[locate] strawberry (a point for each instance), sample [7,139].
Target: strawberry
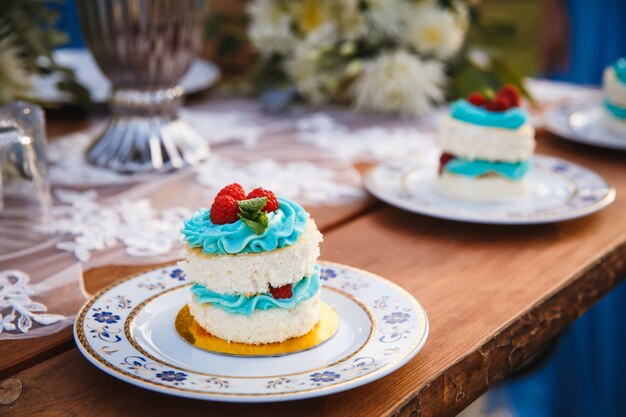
[477,99]
[444,159]
[282,292]
[272,201]
[234,190]
[224,210]
[512,93]
[498,104]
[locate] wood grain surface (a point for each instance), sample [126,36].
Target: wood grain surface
[494,296]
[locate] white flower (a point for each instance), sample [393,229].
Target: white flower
[349,19]
[400,82]
[387,16]
[270,27]
[303,67]
[433,30]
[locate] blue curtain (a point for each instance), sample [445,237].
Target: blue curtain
[582,376]
[68,22]
[598,38]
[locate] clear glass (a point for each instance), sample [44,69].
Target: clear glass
[24,187]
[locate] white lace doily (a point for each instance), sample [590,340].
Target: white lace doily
[93,226]
[304,181]
[366,144]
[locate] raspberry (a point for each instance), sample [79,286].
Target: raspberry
[444,159]
[498,104]
[477,99]
[234,190]
[512,93]
[272,202]
[224,210]
[282,292]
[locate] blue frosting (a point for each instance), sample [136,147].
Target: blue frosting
[240,304]
[512,171]
[620,69]
[617,111]
[466,112]
[285,227]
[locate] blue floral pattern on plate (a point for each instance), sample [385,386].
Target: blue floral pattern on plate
[105,317]
[399,330]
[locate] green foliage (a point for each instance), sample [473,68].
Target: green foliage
[250,212]
[27,39]
[503,32]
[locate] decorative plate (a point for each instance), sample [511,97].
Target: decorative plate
[558,190]
[201,75]
[581,123]
[127,330]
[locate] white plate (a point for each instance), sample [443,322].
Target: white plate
[201,75]
[581,123]
[127,330]
[558,190]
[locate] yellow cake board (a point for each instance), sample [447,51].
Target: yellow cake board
[192,333]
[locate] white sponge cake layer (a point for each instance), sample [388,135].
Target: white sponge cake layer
[613,123]
[249,273]
[614,89]
[473,142]
[269,326]
[482,189]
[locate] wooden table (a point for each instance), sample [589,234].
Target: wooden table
[494,295]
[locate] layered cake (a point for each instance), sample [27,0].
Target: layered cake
[252,258]
[614,86]
[487,145]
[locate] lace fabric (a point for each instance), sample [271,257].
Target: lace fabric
[29,310]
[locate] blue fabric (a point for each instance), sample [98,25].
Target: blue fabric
[598,39]
[68,22]
[582,377]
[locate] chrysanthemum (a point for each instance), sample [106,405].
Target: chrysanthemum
[435,31]
[387,16]
[348,18]
[270,27]
[400,82]
[304,64]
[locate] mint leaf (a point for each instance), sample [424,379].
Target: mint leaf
[258,225]
[252,216]
[253,205]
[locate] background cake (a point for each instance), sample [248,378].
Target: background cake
[614,86]
[253,260]
[487,145]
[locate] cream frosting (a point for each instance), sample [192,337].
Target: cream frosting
[285,226]
[614,89]
[303,290]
